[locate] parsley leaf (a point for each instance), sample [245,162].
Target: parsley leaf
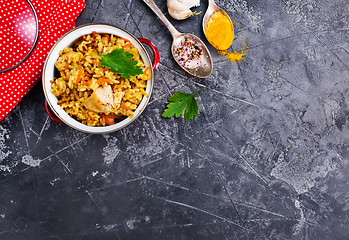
[119,61]
[182,103]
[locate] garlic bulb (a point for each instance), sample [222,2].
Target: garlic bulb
[180,9]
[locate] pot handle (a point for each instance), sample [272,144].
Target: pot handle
[51,113]
[155,52]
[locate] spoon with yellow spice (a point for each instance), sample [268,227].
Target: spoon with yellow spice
[219,30]
[218,27]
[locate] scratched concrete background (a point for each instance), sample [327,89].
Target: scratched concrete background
[267,157]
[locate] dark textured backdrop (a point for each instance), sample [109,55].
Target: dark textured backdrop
[267,157]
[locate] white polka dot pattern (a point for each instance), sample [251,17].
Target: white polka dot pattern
[56,17]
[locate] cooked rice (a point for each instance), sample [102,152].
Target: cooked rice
[82,75]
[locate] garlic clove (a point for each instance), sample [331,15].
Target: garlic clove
[180,9]
[181,14]
[178,5]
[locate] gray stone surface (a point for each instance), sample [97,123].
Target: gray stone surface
[266,158]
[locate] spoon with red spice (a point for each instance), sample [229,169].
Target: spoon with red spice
[187,49]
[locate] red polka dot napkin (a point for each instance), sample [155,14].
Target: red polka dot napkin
[56,17]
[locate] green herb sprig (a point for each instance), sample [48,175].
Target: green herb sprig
[182,103]
[119,61]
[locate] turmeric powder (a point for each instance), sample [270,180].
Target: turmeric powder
[234,56]
[219,30]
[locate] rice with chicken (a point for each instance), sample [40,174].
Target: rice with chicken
[91,93]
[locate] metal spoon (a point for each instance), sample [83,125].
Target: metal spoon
[203,68]
[212,8]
